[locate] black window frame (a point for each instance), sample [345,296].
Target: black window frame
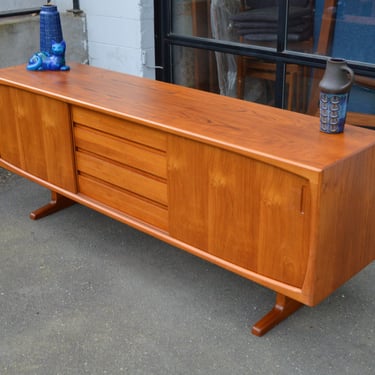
[165,40]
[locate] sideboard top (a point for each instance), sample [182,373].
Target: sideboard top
[263,132]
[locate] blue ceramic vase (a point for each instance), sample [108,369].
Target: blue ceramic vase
[334,95]
[50,27]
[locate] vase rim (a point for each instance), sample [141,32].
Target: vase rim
[49,5]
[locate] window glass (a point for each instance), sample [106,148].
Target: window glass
[345,29]
[332,28]
[300,26]
[361,105]
[229,20]
[240,77]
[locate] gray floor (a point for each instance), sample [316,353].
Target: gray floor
[83,294]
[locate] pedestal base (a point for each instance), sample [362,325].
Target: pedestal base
[284,307]
[57,203]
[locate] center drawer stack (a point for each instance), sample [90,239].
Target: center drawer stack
[122,164]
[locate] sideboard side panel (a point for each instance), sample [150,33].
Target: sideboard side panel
[347,219]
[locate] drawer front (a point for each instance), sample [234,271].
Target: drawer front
[122,177]
[121,128]
[120,150]
[133,205]
[122,164]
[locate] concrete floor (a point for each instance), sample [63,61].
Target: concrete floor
[83,294]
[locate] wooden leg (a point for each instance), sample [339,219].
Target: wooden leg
[284,307]
[57,203]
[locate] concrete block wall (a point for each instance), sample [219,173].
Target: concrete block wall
[121,35]
[11,5]
[20,38]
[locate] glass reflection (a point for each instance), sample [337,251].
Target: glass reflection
[219,73]
[336,28]
[229,20]
[326,27]
[345,29]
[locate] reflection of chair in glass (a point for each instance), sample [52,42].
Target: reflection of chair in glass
[257,30]
[251,67]
[324,46]
[363,119]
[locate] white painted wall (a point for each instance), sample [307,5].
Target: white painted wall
[6,5]
[118,32]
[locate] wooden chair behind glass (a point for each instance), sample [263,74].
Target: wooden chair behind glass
[261,69]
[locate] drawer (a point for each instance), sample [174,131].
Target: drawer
[120,150]
[123,177]
[121,200]
[122,164]
[121,128]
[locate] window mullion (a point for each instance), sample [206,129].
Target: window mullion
[282,35]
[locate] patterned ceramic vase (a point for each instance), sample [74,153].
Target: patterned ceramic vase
[334,94]
[50,27]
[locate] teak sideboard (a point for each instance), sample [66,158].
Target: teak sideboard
[254,189]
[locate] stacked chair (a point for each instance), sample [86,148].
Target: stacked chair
[257,23]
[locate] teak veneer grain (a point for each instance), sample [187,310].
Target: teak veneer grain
[254,189]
